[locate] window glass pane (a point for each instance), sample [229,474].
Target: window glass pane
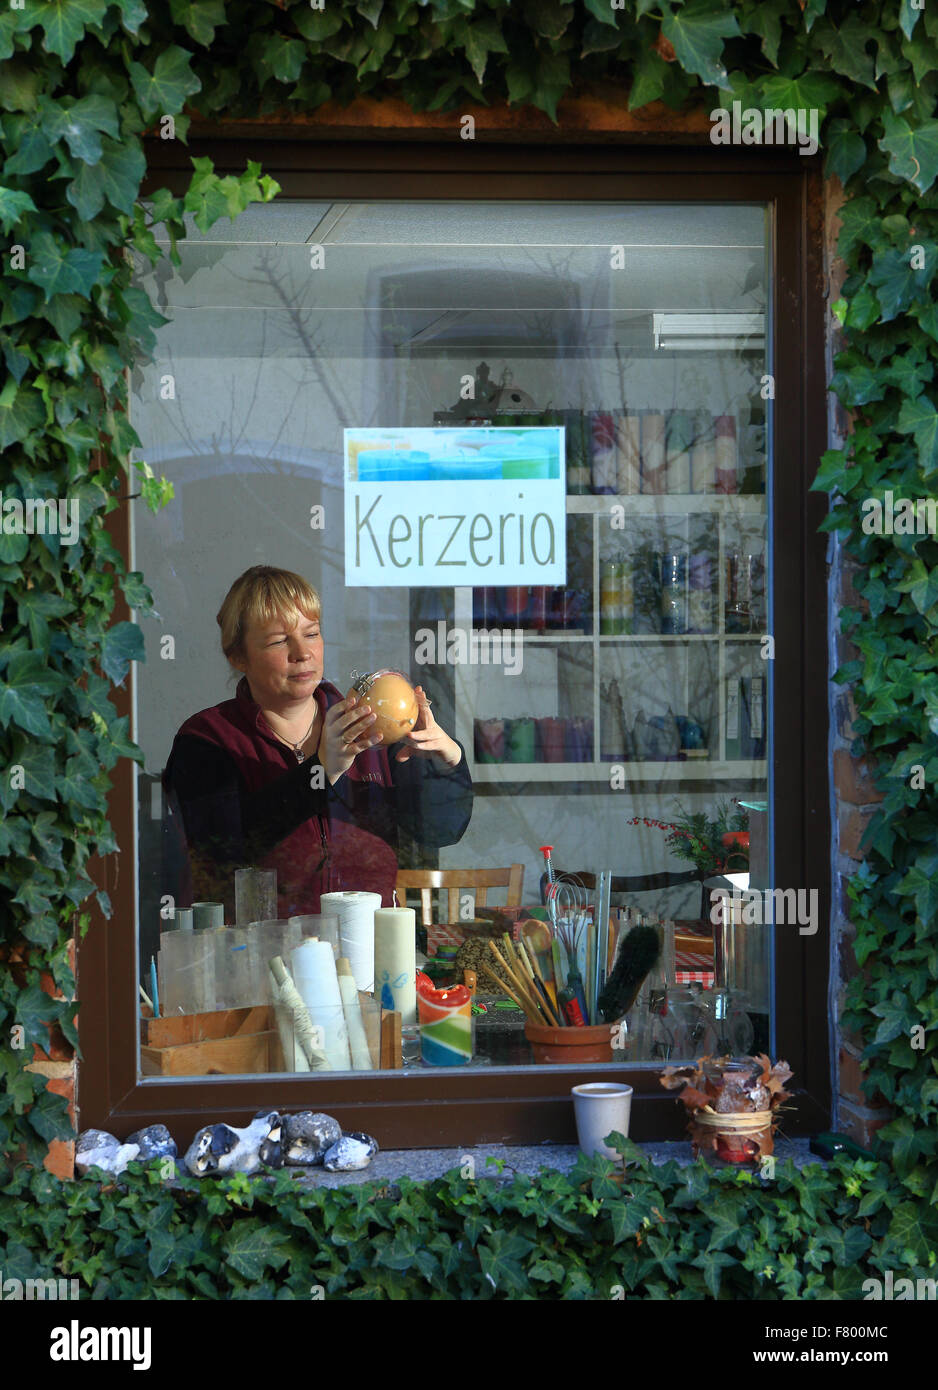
[521,451]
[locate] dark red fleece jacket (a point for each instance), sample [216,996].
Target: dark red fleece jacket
[243,799]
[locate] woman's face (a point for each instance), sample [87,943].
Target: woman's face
[282,659]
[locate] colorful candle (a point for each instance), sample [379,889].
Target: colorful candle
[445,1023]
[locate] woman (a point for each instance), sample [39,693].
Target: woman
[290,776]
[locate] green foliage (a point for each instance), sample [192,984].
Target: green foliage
[80,83]
[600,1232]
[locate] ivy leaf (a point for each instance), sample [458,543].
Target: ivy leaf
[896,283]
[861,221]
[34,1008]
[649,73]
[317,25]
[845,47]
[846,150]
[250,1247]
[64,22]
[13,204]
[133,14]
[28,680]
[926,315]
[38,765]
[200,18]
[921,882]
[280,58]
[120,645]
[603,11]
[907,374]
[81,124]
[34,607]
[811,89]
[371,9]
[33,146]
[164,91]
[908,17]
[57,272]
[115,179]
[766,23]
[920,419]
[697,31]
[479,39]
[162,1248]
[21,412]
[19,86]
[913,152]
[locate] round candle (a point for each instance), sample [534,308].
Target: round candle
[396,961]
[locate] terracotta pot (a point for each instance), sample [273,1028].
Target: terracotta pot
[571,1045]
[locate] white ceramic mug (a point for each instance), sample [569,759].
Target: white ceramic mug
[601,1107]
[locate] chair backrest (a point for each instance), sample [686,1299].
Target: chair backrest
[456,882]
[628,883]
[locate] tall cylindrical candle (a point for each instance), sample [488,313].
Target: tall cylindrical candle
[396,961]
[314,974]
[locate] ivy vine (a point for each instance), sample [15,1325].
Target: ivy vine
[83,81]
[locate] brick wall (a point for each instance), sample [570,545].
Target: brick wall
[57,1063]
[853,796]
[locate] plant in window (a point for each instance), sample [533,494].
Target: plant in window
[717,846]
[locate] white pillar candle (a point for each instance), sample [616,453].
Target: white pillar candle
[396,961]
[315,977]
[356,913]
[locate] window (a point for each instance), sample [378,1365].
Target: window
[613,363]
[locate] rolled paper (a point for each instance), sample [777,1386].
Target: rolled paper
[294,1055]
[725,453]
[357,1038]
[356,913]
[396,961]
[653,452]
[287,996]
[445,1024]
[314,975]
[628,453]
[603,452]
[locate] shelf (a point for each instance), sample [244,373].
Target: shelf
[695,770]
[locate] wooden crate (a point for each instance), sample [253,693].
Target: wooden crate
[223,1043]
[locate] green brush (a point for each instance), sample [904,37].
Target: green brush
[638,954]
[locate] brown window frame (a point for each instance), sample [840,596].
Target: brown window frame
[531,1105]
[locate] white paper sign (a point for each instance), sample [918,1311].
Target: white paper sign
[448,507]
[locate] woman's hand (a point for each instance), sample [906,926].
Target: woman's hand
[346,732]
[428,739]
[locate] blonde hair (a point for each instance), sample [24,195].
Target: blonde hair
[258,595]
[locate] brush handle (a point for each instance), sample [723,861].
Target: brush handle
[518,984]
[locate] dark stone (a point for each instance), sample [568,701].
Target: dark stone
[153,1141]
[307,1137]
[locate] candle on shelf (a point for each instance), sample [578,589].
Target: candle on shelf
[396,961]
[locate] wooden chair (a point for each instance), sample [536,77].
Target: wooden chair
[456,882]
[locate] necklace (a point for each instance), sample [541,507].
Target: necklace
[297,748]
